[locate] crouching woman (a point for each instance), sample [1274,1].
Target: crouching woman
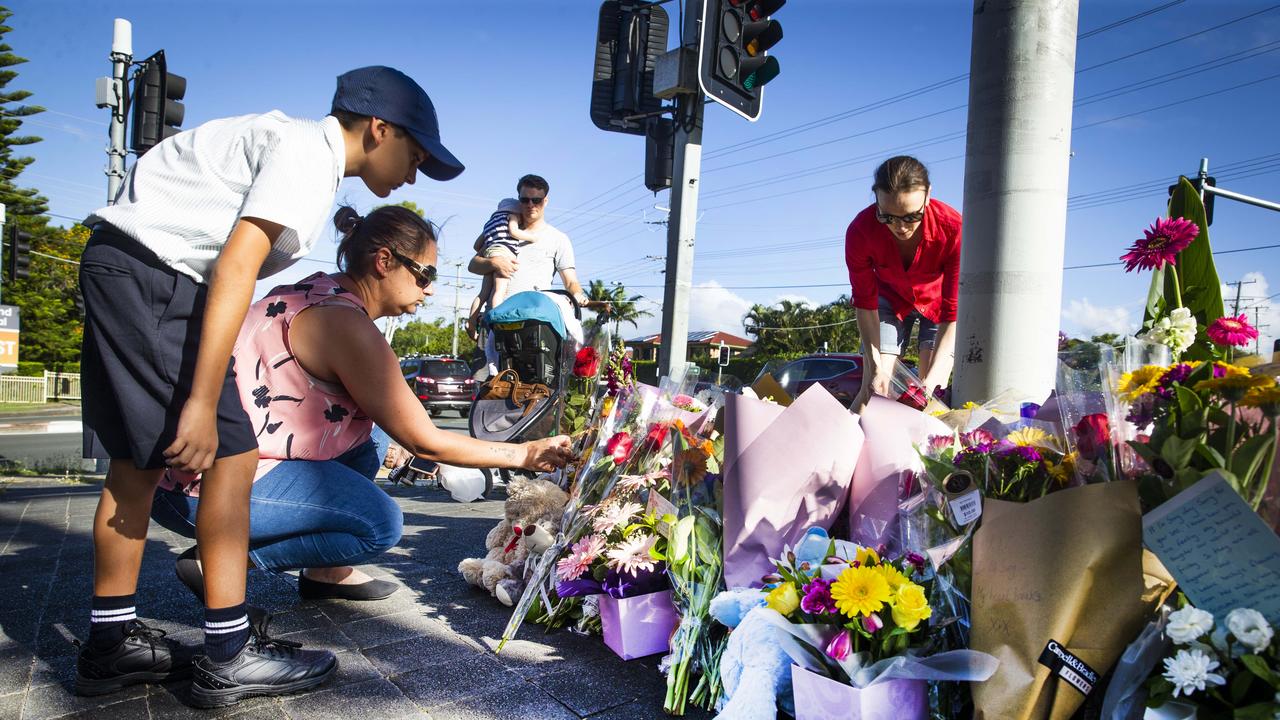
[316,375]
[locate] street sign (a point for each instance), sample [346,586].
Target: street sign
[9,315]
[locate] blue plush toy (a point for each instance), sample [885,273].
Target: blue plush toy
[754,672]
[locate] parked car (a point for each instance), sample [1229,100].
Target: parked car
[440,383]
[840,374]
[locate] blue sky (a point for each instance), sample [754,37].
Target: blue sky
[511,82]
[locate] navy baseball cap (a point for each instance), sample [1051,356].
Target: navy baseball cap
[387,93]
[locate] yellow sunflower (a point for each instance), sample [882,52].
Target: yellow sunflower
[1063,471]
[1230,370]
[1031,437]
[1266,398]
[1234,387]
[1135,384]
[860,591]
[893,576]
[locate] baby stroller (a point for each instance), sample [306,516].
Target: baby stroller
[530,337]
[534,346]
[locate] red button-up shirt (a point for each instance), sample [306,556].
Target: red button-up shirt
[931,284]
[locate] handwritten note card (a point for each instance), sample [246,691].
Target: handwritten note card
[1220,552]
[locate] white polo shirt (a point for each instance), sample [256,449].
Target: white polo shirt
[184,196]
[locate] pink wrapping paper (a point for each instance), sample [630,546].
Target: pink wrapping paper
[892,431]
[786,469]
[638,626]
[821,698]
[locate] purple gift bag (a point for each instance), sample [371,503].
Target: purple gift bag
[637,626]
[821,698]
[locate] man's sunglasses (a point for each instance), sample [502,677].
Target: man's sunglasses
[424,275]
[537,200]
[908,219]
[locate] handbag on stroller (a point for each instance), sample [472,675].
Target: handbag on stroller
[522,401]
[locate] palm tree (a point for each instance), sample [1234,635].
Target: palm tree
[626,309]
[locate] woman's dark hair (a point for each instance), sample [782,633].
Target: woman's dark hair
[533,181]
[347,119]
[390,226]
[902,173]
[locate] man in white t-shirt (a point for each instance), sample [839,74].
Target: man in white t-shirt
[540,261]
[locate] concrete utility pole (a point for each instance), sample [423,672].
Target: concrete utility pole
[457,290]
[1022,75]
[111,94]
[686,177]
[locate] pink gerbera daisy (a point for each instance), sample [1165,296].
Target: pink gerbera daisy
[1163,241]
[1232,331]
[632,555]
[581,555]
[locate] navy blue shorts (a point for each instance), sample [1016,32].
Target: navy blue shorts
[141,333]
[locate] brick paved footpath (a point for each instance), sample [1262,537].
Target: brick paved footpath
[425,652]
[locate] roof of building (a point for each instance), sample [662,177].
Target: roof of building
[699,337]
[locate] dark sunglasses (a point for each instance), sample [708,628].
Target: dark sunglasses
[424,275]
[908,219]
[533,200]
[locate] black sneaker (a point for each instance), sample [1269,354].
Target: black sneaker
[144,655]
[264,666]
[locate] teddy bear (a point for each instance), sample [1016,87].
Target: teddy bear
[529,526]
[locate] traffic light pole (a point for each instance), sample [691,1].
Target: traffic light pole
[686,175]
[1022,76]
[121,58]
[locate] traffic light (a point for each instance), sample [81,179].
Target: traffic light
[659,153]
[157,114]
[733,60]
[629,38]
[18,261]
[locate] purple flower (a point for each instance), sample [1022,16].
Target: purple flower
[817,597]
[1142,411]
[1176,374]
[872,623]
[1025,453]
[840,646]
[917,560]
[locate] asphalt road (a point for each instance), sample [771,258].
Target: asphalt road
[53,443]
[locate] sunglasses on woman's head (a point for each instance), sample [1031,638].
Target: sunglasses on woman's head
[424,275]
[535,200]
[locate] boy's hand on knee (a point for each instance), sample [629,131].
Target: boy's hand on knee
[196,444]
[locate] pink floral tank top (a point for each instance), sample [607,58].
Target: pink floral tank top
[295,415]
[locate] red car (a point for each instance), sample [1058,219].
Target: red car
[840,374]
[440,383]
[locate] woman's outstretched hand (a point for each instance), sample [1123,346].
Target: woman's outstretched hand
[547,454]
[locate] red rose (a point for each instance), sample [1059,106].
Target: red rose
[914,397]
[1093,436]
[587,363]
[657,434]
[619,447]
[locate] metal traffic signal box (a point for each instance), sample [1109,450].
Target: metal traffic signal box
[733,60]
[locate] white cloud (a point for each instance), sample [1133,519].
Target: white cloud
[712,307]
[1082,318]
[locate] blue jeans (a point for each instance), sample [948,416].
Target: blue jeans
[308,513]
[895,333]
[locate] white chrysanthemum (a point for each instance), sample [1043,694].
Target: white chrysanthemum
[1188,624]
[1177,330]
[614,514]
[1190,671]
[1250,628]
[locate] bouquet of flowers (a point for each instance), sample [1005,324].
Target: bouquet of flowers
[1200,418]
[1221,672]
[866,622]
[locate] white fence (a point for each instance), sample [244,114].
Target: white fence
[53,386]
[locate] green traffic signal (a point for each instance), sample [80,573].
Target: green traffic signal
[766,72]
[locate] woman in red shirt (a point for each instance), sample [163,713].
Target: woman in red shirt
[903,254]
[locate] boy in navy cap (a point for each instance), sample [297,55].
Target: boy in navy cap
[167,277]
